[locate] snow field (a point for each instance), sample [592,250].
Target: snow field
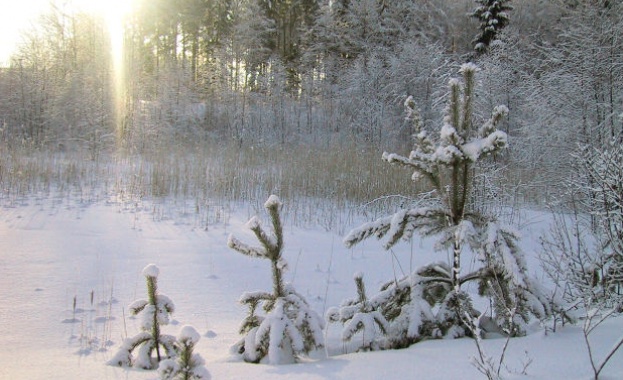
[51,253]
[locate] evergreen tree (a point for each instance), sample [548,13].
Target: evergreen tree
[447,163]
[155,311]
[253,32]
[290,327]
[188,366]
[360,315]
[493,17]
[291,19]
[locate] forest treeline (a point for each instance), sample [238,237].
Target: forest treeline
[317,74]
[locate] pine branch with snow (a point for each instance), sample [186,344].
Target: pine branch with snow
[400,226]
[290,327]
[507,282]
[155,311]
[454,306]
[493,17]
[403,304]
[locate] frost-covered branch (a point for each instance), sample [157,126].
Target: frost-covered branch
[401,225]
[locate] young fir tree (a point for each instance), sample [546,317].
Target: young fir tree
[360,315]
[188,366]
[155,311]
[493,17]
[447,162]
[290,327]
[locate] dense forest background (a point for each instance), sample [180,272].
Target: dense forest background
[302,96]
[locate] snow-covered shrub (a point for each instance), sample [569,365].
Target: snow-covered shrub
[360,315]
[290,327]
[583,252]
[188,366]
[155,312]
[430,302]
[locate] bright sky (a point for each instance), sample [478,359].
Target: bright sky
[18,15]
[15,15]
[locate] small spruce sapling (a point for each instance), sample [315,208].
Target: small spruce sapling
[155,311]
[290,327]
[188,366]
[360,315]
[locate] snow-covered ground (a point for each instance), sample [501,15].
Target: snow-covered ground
[52,252]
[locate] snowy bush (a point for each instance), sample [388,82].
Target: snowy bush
[155,312]
[360,316]
[289,327]
[583,252]
[430,302]
[188,366]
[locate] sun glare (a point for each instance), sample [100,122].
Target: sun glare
[113,13]
[18,16]
[114,17]
[15,18]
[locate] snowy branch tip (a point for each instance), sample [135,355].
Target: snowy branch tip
[468,68]
[189,335]
[273,201]
[151,270]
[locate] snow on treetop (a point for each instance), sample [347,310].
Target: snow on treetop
[189,334]
[409,102]
[273,200]
[358,275]
[501,109]
[151,270]
[467,67]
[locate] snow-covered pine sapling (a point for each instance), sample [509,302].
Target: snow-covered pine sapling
[360,315]
[155,312]
[289,328]
[447,162]
[188,366]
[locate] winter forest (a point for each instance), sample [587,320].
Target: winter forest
[431,183]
